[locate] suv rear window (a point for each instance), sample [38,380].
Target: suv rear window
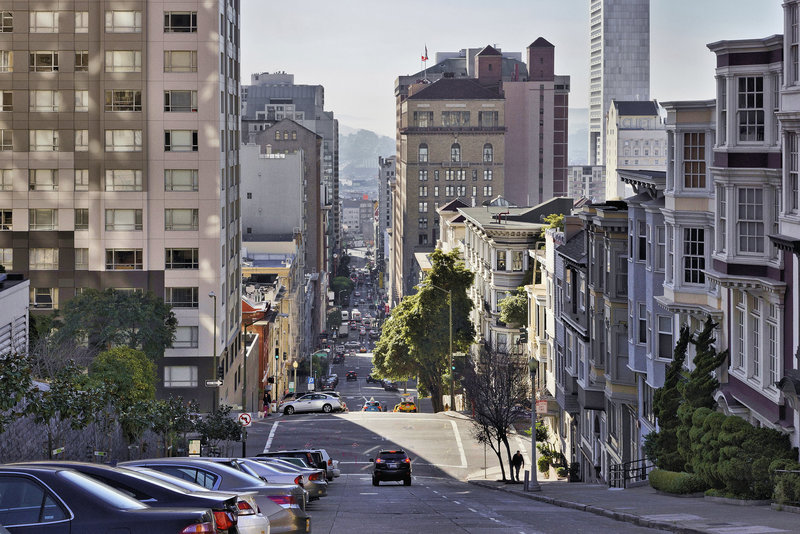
[393,456]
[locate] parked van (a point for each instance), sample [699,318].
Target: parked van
[345,316]
[355,315]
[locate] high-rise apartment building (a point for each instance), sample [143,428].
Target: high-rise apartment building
[107,107]
[386,179]
[619,62]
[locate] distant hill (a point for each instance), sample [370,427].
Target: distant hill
[361,148]
[578,136]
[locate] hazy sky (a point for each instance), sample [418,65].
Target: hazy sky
[356,48]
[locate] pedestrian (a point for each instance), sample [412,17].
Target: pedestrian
[267,402]
[517,461]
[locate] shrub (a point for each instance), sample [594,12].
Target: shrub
[677,483]
[786,485]
[562,472]
[574,472]
[544,464]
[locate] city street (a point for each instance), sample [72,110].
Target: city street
[443,455]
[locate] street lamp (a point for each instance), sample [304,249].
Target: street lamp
[533,481]
[294,366]
[452,371]
[216,364]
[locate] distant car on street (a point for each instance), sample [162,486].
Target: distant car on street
[392,465]
[351,375]
[390,385]
[363,349]
[406,406]
[352,344]
[372,379]
[313,402]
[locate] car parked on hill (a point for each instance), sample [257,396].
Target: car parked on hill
[313,402]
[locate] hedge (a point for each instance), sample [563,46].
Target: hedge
[678,483]
[787,485]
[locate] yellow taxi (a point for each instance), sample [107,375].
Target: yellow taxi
[405,406]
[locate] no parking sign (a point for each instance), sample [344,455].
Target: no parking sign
[245,419]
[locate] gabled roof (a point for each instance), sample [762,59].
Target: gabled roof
[541,42]
[574,248]
[489,51]
[636,107]
[453,205]
[455,89]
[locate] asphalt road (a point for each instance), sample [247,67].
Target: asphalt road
[443,455]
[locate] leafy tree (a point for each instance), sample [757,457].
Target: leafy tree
[514,308]
[554,220]
[171,417]
[341,284]
[415,339]
[343,267]
[496,389]
[15,382]
[662,446]
[114,318]
[219,426]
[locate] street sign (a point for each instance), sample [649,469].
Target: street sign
[58,451]
[100,453]
[213,383]
[310,383]
[245,419]
[194,447]
[541,407]
[291,387]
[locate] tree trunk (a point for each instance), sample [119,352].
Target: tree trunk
[508,453]
[499,453]
[436,397]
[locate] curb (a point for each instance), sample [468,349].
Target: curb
[611,514]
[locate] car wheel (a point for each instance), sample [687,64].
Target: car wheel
[289,410]
[407,481]
[375,481]
[326,408]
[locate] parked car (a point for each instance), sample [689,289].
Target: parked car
[313,402]
[38,499]
[374,334]
[327,385]
[314,459]
[390,385]
[391,465]
[230,513]
[274,474]
[288,516]
[314,480]
[340,349]
[362,331]
[372,379]
[351,375]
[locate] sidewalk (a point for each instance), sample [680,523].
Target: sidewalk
[645,507]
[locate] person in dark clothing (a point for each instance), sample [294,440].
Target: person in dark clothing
[517,461]
[267,402]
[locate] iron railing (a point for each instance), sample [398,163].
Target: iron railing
[636,470]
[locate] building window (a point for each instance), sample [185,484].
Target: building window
[423,207]
[436,175]
[665,337]
[180,376]
[182,258]
[423,190]
[755,335]
[794,177]
[487,175]
[81,101]
[661,246]
[487,190]
[423,119]
[455,119]
[180,180]
[750,225]
[123,220]
[694,257]
[81,218]
[435,193]
[423,175]
[488,156]
[750,108]
[6,22]
[642,321]
[793,40]
[501,260]
[6,180]
[489,119]
[6,140]
[6,220]
[44,101]
[81,259]
[43,219]
[180,101]
[123,61]
[43,259]
[739,313]
[455,153]
[123,21]
[516,260]
[423,239]
[773,352]
[6,61]
[185,337]
[180,61]
[7,258]
[81,61]
[694,160]
[81,140]
[423,223]
[123,259]
[81,179]
[81,22]
[182,297]
[43,179]
[43,61]
[722,210]
[641,244]
[123,100]
[180,22]
[44,298]
[123,140]
[181,219]
[44,21]
[423,153]
[123,180]
[180,141]
[6,101]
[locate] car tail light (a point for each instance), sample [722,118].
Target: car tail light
[407,460]
[245,508]
[298,479]
[225,520]
[282,500]
[378,461]
[313,476]
[199,528]
[330,462]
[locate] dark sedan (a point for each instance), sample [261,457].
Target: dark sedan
[50,500]
[351,375]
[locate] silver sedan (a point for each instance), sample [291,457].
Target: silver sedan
[313,402]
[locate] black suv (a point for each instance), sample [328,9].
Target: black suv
[392,465]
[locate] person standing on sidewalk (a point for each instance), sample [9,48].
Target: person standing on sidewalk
[517,461]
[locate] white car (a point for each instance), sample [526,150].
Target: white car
[352,344]
[313,402]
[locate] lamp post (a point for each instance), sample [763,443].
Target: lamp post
[294,366]
[533,482]
[452,373]
[215,372]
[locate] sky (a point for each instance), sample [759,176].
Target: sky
[357,48]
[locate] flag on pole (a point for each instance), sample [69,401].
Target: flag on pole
[425,55]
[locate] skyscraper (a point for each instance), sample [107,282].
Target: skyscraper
[119,128]
[619,62]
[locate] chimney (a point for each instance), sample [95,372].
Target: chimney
[489,67]
[541,61]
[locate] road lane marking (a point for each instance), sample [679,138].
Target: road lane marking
[271,436]
[460,445]
[363,493]
[473,510]
[457,502]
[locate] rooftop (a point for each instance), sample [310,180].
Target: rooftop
[455,89]
[636,107]
[531,217]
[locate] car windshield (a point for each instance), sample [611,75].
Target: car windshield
[107,494]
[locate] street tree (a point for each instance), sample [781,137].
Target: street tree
[343,267]
[416,341]
[112,318]
[219,426]
[341,285]
[172,417]
[514,308]
[496,387]
[15,382]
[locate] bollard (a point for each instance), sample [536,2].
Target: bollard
[527,477]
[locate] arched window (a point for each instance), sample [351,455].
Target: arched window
[423,153]
[488,153]
[277,135]
[455,153]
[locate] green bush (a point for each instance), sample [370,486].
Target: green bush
[786,485]
[544,464]
[562,472]
[678,483]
